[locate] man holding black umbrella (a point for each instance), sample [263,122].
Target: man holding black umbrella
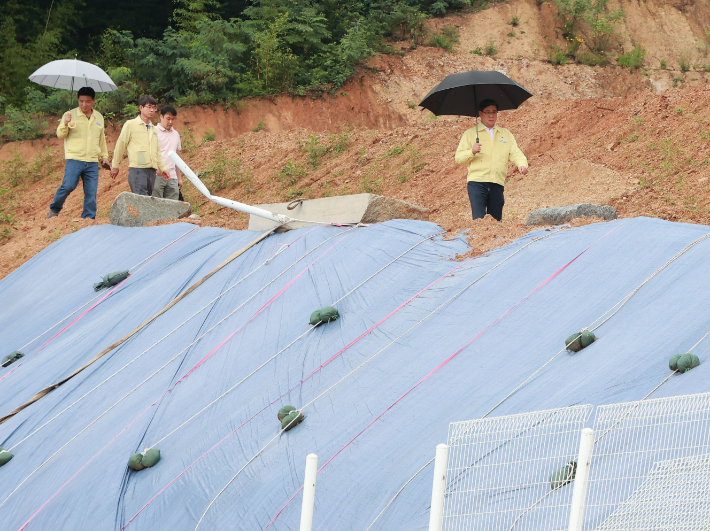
[486,150]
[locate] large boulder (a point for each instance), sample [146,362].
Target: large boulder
[564,214]
[133,210]
[345,209]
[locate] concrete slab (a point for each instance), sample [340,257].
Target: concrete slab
[133,210]
[345,209]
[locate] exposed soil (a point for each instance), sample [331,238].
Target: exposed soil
[591,134]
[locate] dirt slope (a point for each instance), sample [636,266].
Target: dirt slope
[591,134]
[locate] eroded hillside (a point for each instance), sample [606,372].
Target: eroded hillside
[637,141]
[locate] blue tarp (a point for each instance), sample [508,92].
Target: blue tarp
[85,485]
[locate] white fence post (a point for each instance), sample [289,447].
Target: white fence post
[309,492]
[579,492]
[436,514]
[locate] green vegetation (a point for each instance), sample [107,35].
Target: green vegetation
[225,171]
[209,136]
[664,64]
[490,48]
[633,59]
[205,51]
[447,38]
[514,21]
[684,62]
[259,126]
[316,151]
[557,56]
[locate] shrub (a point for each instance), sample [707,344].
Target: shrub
[209,136]
[224,172]
[514,21]
[19,125]
[684,62]
[490,48]
[633,59]
[447,38]
[259,126]
[664,64]
[477,51]
[556,56]
[592,59]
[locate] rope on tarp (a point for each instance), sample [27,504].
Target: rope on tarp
[168,390]
[118,343]
[283,248]
[615,310]
[103,297]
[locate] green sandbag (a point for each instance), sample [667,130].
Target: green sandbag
[329,314]
[112,279]
[587,338]
[146,459]
[580,340]
[285,411]
[686,362]
[673,362]
[135,462]
[151,457]
[315,318]
[564,475]
[292,420]
[11,358]
[324,315]
[574,342]
[5,456]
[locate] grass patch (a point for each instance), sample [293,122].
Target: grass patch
[447,38]
[224,172]
[259,126]
[316,151]
[209,136]
[557,56]
[514,21]
[490,48]
[633,59]
[395,151]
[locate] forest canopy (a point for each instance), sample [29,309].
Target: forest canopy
[200,51]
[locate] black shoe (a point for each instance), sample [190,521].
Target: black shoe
[52,214]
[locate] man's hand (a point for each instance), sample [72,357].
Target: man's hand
[114,172]
[523,170]
[179,184]
[105,162]
[166,175]
[476,148]
[67,118]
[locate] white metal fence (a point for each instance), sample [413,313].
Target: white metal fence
[499,470]
[636,441]
[649,469]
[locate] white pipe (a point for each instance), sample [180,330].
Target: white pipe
[436,514]
[581,480]
[309,492]
[234,205]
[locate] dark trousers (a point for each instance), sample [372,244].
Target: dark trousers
[141,180]
[74,170]
[486,198]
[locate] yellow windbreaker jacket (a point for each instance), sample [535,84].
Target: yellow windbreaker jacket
[142,146]
[84,138]
[491,164]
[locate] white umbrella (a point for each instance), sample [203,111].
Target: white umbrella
[72,74]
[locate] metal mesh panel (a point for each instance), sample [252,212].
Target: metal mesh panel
[637,443]
[499,470]
[674,496]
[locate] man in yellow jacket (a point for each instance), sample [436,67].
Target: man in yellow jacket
[487,161]
[139,138]
[84,137]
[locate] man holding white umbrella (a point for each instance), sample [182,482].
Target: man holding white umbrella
[83,131]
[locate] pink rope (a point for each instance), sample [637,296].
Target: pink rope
[55,336]
[309,375]
[180,380]
[442,364]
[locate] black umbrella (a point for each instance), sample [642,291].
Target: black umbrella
[459,94]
